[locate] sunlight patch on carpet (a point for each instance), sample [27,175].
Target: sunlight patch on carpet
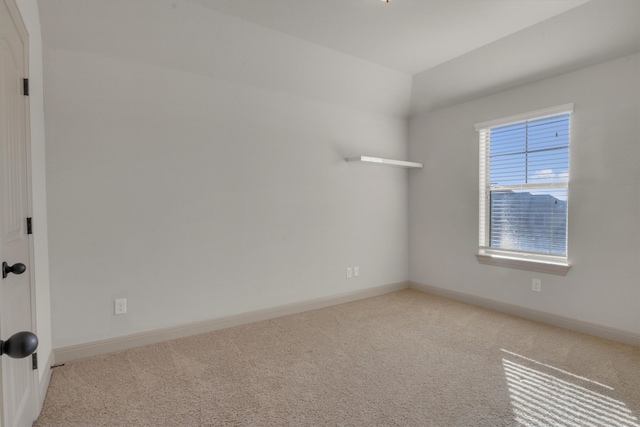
[544,395]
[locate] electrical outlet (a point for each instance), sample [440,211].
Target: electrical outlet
[349,272]
[356,271]
[120,306]
[536,285]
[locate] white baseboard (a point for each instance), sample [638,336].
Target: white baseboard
[44,383]
[539,316]
[80,351]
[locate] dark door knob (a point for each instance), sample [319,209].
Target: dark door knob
[19,345]
[17,268]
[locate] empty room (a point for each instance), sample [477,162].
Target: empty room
[320,213]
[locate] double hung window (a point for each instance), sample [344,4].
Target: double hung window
[524,181]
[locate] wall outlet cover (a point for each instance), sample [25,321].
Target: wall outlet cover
[120,306]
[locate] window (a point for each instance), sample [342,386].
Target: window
[524,180]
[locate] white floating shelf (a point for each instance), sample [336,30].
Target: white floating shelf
[388,162]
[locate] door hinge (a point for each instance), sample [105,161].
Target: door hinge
[25,87]
[34,361]
[29,226]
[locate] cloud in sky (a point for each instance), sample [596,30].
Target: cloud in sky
[548,175]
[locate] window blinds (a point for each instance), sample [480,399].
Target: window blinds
[524,176]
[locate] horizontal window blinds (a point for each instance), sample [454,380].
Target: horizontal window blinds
[524,182]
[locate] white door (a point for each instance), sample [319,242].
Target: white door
[18,407]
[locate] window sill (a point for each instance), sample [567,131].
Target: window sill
[541,266]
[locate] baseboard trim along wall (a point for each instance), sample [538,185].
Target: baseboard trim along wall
[538,316]
[81,351]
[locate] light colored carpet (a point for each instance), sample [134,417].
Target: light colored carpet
[402,359]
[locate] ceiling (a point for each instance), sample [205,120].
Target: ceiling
[446,51]
[406,35]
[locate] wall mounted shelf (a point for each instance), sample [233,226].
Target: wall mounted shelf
[388,162]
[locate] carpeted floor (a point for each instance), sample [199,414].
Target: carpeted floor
[402,359]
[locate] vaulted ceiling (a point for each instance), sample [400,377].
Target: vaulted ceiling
[406,35]
[443,51]
[457,49]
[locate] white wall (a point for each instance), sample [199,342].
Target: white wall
[603,286]
[31,18]
[209,184]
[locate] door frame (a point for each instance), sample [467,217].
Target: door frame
[15,14]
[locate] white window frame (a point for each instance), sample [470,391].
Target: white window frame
[552,264]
